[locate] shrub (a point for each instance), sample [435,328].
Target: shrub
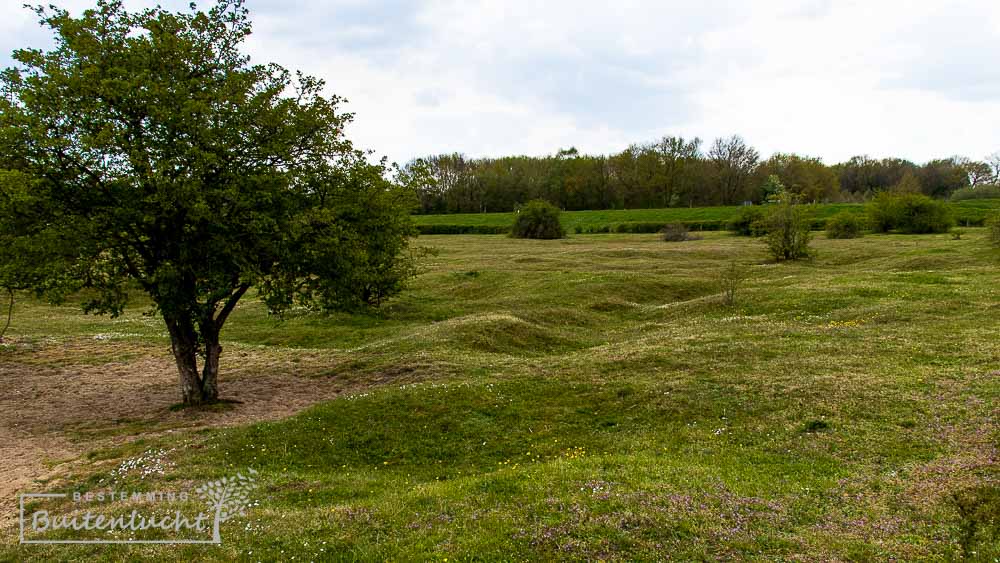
[677,232]
[993,232]
[748,222]
[732,279]
[538,219]
[909,213]
[845,225]
[979,192]
[787,227]
[639,227]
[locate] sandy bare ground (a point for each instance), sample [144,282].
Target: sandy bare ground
[63,400]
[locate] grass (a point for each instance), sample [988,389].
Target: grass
[967,213]
[593,398]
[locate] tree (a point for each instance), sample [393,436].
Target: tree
[734,160]
[940,178]
[994,163]
[806,177]
[908,184]
[145,151]
[979,173]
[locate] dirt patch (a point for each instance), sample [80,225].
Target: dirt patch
[63,400]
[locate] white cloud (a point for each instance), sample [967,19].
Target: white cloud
[825,78]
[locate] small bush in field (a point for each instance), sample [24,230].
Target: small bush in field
[734,275]
[787,226]
[677,232]
[909,213]
[845,225]
[993,229]
[538,219]
[748,222]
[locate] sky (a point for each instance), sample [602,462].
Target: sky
[829,79]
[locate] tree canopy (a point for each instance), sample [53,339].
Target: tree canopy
[673,172]
[146,152]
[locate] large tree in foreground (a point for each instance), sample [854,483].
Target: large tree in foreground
[144,151]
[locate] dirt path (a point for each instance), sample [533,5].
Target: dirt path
[62,401]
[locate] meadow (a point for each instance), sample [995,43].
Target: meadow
[967,213]
[585,398]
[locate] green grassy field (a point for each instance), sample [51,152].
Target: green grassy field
[969,212]
[593,398]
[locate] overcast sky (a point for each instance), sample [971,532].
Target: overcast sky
[831,79]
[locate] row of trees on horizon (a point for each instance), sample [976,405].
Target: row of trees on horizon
[676,172]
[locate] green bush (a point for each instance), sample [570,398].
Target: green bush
[733,276]
[787,227]
[909,213]
[749,222]
[845,225]
[639,227]
[538,219]
[677,232]
[979,192]
[993,226]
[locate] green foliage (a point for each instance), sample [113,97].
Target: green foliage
[909,213]
[748,222]
[979,522]
[773,188]
[845,225]
[447,446]
[978,192]
[787,226]
[993,226]
[676,232]
[538,219]
[732,279]
[146,151]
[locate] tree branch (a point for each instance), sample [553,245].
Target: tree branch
[230,305]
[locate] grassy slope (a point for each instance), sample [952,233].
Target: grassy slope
[590,398]
[970,209]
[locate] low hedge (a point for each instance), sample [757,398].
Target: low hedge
[463,229]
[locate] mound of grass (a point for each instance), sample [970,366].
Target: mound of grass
[592,399]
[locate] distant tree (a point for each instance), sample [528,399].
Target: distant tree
[908,184]
[733,162]
[978,172]
[145,151]
[865,175]
[806,177]
[940,178]
[994,163]
[773,189]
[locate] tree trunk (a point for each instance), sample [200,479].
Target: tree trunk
[184,343]
[210,371]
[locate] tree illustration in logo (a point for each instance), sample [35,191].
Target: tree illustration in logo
[228,497]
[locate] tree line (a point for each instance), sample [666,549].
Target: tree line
[675,172]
